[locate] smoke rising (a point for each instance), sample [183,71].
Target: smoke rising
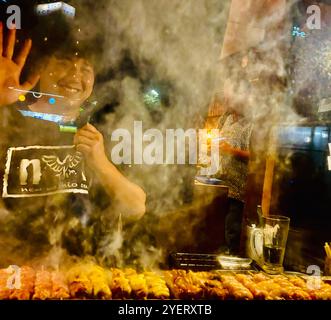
[175,47]
[170,46]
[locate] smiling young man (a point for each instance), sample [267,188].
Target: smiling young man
[59,189]
[73,78]
[68,77]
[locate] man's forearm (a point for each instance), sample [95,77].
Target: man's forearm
[243,154]
[236,152]
[128,198]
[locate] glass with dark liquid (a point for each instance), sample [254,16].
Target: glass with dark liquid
[275,231]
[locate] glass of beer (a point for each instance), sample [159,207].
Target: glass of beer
[275,231]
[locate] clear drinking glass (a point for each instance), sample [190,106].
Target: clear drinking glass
[274,232]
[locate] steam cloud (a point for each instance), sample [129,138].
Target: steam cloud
[177,43]
[173,43]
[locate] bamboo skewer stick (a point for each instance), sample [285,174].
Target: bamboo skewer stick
[327,250]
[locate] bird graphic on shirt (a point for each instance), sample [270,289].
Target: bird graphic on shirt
[65,168]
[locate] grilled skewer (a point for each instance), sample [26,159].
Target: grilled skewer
[26,290]
[43,285]
[157,288]
[119,285]
[236,290]
[139,289]
[5,291]
[60,290]
[99,280]
[181,286]
[80,285]
[211,288]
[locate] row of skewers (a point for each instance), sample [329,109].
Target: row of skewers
[90,281]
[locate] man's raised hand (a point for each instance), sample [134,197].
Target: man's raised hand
[11,66]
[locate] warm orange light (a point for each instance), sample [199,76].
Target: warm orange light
[209,135]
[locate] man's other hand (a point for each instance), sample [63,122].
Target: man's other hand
[89,141]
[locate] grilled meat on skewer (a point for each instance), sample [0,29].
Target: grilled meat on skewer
[60,290]
[80,285]
[236,290]
[139,289]
[119,285]
[259,293]
[181,286]
[157,287]
[43,285]
[99,280]
[211,288]
[26,291]
[5,291]
[291,291]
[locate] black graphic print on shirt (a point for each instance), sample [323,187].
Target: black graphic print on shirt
[43,170]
